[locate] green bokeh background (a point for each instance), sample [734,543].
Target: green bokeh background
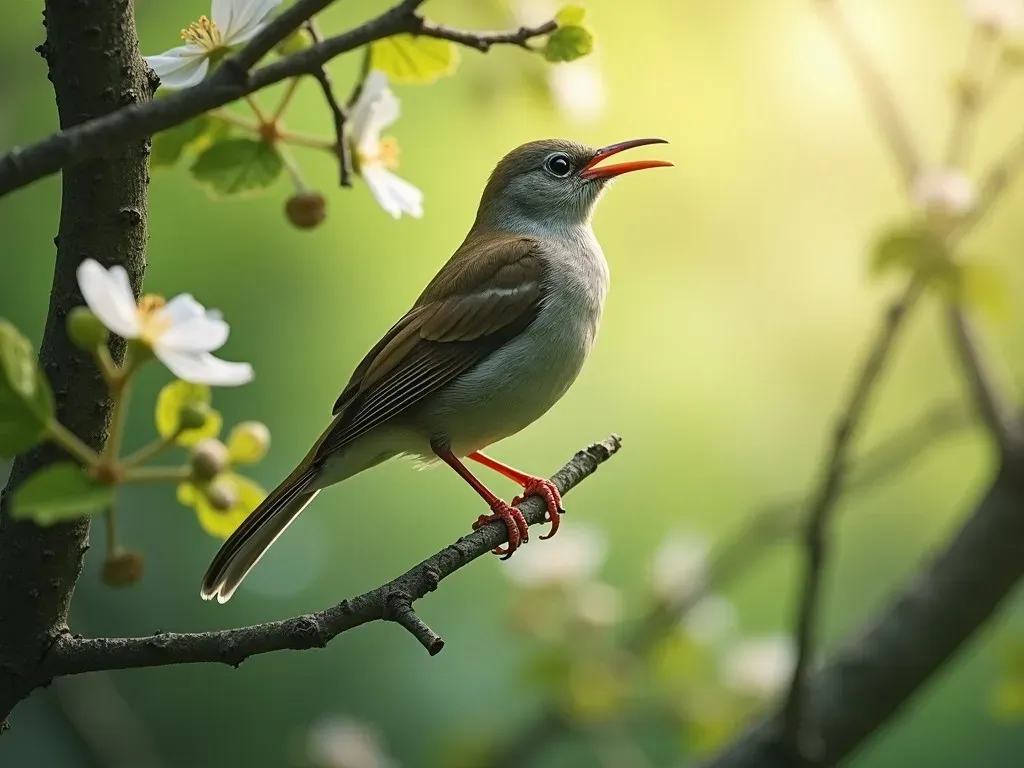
[740,304]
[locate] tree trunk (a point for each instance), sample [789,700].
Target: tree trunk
[94,64]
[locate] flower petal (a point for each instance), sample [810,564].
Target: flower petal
[393,194]
[382,113]
[183,308]
[198,334]
[109,295]
[240,20]
[204,368]
[376,83]
[180,67]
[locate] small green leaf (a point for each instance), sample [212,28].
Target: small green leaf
[916,250]
[178,399]
[169,145]
[299,40]
[571,15]
[235,166]
[58,493]
[986,288]
[568,44]
[26,402]
[408,59]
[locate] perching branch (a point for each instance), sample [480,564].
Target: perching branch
[393,601]
[736,556]
[230,82]
[342,148]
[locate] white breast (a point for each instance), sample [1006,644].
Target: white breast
[518,383]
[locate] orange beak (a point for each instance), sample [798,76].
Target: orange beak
[617,169]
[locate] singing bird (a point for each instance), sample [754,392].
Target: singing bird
[495,340]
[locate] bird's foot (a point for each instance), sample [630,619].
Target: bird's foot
[518,531]
[538,486]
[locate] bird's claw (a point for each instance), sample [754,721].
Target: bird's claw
[538,486]
[518,531]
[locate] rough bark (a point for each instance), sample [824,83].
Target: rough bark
[95,67]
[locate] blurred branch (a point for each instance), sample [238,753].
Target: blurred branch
[935,612]
[393,601]
[996,182]
[823,502]
[763,528]
[342,149]
[881,102]
[991,405]
[232,81]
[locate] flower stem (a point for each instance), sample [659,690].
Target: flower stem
[148,452]
[121,395]
[113,545]
[293,86]
[157,474]
[293,169]
[301,140]
[238,122]
[256,109]
[71,443]
[108,368]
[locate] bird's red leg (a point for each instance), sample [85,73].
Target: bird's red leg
[532,486]
[518,532]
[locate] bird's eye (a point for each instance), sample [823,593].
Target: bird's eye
[558,165]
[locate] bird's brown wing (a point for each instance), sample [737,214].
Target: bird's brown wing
[486,294]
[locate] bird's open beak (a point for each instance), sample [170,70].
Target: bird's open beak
[617,169]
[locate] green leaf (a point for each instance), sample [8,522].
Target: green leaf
[985,288]
[26,402]
[568,44]
[571,15]
[58,493]
[174,401]
[915,249]
[408,59]
[235,166]
[297,41]
[169,145]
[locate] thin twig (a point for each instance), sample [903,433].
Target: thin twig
[482,41]
[824,499]
[996,182]
[341,148]
[738,554]
[969,98]
[393,601]
[883,105]
[230,82]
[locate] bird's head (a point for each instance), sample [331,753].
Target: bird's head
[553,184]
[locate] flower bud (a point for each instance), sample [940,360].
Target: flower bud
[248,442]
[193,415]
[222,494]
[306,210]
[122,568]
[209,459]
[85,329]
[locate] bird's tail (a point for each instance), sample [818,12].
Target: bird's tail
[257,533]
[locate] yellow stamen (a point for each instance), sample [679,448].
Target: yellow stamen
[386,155]
[154,319]
[203,33]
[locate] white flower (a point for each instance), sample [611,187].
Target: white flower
[679,566]
[999,16]
[340,742]
[374,110]
[573,556]
[944,192]
[577,87]
[231,23]
[598,604]
[181,332]
[760,666]
[710,620]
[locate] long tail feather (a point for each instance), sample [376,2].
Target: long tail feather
[244,548]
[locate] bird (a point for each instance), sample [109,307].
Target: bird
[491,344]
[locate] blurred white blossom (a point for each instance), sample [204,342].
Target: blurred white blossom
[577,87]
[759,666]
[945,192]
[573,556]
[999,16]
[181,332]
[231,23]
[711,620]
[679,566]
[341,742]
[375,158]
[598,604]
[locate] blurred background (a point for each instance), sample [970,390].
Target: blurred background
[740,306]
